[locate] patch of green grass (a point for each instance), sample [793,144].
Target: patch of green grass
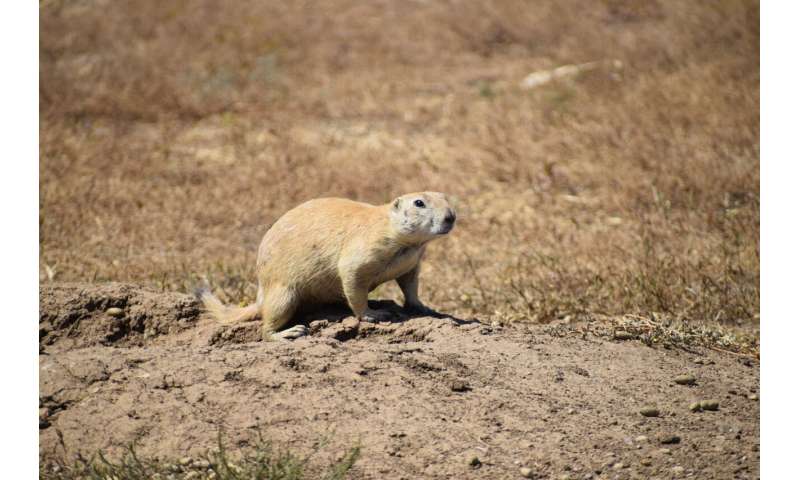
[261,461]
[486,90]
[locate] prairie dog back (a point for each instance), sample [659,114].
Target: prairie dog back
[302,249]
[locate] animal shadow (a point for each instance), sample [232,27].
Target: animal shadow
[396,314]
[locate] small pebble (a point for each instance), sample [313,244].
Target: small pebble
[115,312]
[185,461]
[640,439]
[712,405]
[685,379]
[677,470]
[649,412]
[618,466]
[474,462]
[646,462]
[459,386]
[665,451]
[669,439]
[526,472]
[753,397]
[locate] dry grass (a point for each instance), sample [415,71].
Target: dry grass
[174,133]
[260,460]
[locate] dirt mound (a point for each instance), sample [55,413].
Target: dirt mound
[425,397]
[78,315]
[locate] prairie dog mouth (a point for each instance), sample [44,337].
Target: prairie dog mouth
[444,229]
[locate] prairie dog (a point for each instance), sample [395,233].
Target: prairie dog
[332,250]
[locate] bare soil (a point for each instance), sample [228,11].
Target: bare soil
[423,396]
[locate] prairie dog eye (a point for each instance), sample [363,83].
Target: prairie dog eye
[419,203]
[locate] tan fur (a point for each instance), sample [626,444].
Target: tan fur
[225,314]
[336,250]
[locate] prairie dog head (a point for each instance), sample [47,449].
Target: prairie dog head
[420,217]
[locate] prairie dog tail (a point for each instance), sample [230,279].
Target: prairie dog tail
[225,314]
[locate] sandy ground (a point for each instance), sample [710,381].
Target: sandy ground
[423,396]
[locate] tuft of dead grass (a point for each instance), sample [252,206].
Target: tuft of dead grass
[664,331]
[172,134]
[259,461]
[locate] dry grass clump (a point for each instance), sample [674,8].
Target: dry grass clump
[172,134]
[259,461]
[665,331]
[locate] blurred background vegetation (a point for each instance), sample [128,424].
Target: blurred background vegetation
[172,134]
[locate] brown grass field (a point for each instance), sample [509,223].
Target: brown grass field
[173,133]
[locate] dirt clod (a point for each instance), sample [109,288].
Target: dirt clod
[669,439]
[317,325]
[687,379]
[650,412]
[350,323]
[459,386]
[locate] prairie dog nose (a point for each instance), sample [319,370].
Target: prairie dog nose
[450,218]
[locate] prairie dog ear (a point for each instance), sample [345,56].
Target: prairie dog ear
[396,203]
